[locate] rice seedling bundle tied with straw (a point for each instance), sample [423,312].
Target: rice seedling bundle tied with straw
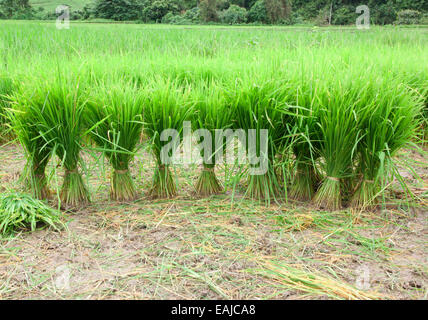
[114,117]
[388,119]
[38,151]
[212,114]
[166,107]
[56,109]
[262,112]
[338,137]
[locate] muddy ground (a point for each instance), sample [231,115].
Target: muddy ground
[193,248]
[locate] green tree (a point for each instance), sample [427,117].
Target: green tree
[208,10]
[118,10]
[15,8]
[258,13]
[234,15]
[278,10]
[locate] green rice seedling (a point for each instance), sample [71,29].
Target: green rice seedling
[262,109]
[304,143]
[59,106]
[115,116]
[19,211]
[212,114]
[6,89]
[37,150]
[388,120]
[338,137]
[166,107]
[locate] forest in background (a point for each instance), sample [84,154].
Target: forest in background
[286,12]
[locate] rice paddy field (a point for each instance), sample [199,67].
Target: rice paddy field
[339,213]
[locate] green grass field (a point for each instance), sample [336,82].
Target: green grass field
[346,186]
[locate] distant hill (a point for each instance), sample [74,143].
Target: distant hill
[50,5]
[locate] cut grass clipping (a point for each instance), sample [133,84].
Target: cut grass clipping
[312,283]
[20,211]
[57,108]
[115,116]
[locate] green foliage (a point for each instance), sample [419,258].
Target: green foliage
[344,16]
[233,15]
[258,13]
[119,10]
[409,17]
[278,10]
[384,14]
[208,10]
[157,9]
[20,211]
[192,15]
[15,9]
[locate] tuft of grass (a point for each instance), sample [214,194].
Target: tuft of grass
[20,211]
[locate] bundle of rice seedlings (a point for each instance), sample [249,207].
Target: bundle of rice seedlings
[165,109]
[59,106]
[115,116]
[20,211]
[338,137]
[261,112]
[212,113]
[6,89]
[305,146]
[37,150]
[389,120]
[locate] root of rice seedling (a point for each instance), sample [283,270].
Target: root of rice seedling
[304,183]
[122,187]
[208,183]
[329,195]
[74,191]
[163,183]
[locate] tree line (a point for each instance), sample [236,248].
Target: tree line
[320,12]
